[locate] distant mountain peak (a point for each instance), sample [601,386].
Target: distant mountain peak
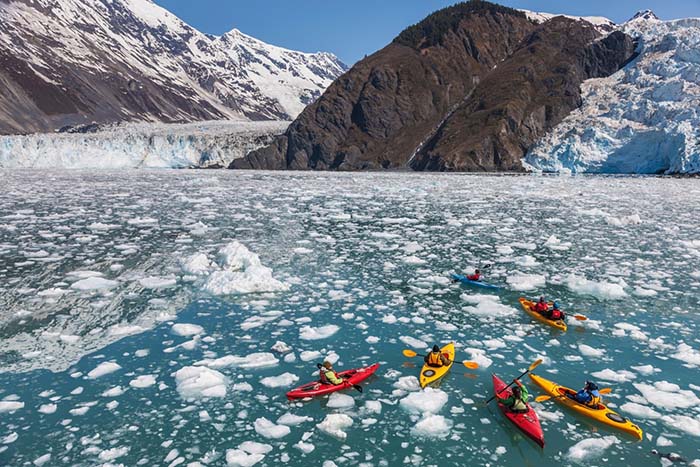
[645,15]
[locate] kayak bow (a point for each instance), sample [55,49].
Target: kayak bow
[463,279]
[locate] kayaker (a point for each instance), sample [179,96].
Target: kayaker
[475,277]
[542,307]
[436,358]
[555,314]
[329,376]
[517,402]
[589,395]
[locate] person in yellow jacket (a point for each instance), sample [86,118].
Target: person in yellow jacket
[328,375]
[436,359]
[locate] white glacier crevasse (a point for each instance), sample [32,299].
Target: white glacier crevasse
[644,119]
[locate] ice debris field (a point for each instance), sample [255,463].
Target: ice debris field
[158,318]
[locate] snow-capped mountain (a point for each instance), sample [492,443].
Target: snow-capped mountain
[69,62]
[601,23]
[642,119]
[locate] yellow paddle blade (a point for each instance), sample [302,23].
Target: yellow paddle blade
[409,353]
[580,318]
[471,365]
[605,391]
[542,398]
[535,364]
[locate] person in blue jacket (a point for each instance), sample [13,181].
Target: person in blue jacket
[589,395]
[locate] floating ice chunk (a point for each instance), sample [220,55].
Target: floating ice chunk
[623,221]
[39,461]
[373,407]
[240,458]
[113,453]
[268,429]
[143,381]
[687,354]
[243,387]
[254,360]
[553,243]
[9,439]
[642,292]
[185,329]
[158,282]
[114,392]
[10,406]
[590,448]
[639,410]
[196,382]
[413,342]
[429,400]
[196,265]
[121,330]
[521,282]
[103,369]
[304,447]
[252,447]
[281,347]
[667,396]
[588,351]
[282,381]
[432,426]
[290,419]
[479,356]
[683,423]
[48,409]
[372,340]
[600,290]
[308,355]
[645,370]
[413,260]
[79,411]
[310,333]
[94,283]
[389,319]
[340,401]
[620,376]
[408,383]
[241,273]
[335,424]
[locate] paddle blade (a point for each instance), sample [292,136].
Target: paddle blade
[605,391]
[542,398]
[535,364]
[580,318]
[409,353]
[357,387]
[471,365]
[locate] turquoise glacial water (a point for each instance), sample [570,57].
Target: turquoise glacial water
[360,271]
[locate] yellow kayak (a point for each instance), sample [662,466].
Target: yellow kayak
[601,414]
[528,307]
[430,375]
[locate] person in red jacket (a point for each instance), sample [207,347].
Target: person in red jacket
[475,277]
[542,307]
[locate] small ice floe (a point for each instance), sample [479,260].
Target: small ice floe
[335,425]
[94,284]
[684,423]
[268,429]
[407,383]
[430,400]
[687,354]
[479,356]
[290,419]
[413,342]
[197,382]
[619,376]
[486,306]
[248,454]
[668,396]
[590,448]
[41,460]
[198,264]
[553,243]
[47,409]
[158,282]
[623,221]
[639,410]
[103,369]
[282,381]
[281,348]
[185,329]
[522,282]
[240,272]
[9,406]
[143,381]
[340,401]
[309,333]
[588,351]
[432,426]
[600,290]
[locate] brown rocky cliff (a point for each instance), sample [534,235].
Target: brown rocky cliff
[470,89]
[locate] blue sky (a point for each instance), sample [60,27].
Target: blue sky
[353,28]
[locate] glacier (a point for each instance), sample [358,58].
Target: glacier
[643,119]
[211,144]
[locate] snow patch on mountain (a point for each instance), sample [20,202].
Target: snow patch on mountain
[140,145]
[601,23]
[643,119]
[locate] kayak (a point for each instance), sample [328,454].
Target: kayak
[430,375]
[601,414]
[315,388]
[528,307]
[465,280]
[528,422]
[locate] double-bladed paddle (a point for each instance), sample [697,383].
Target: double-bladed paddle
[534,365]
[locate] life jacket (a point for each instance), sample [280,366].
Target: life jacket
[556,315]
[434,359]
[519,405]
[595,398]
[541,307]
[474,277]
[584,397]
[324,378]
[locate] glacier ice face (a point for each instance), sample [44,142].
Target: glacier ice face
[643,119]
[140,145]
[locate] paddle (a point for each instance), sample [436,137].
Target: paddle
[357,387]
[534,365]
[410,354]
[580,318]
[546,398]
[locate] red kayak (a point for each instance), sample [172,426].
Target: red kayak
[315,388]
[528,423]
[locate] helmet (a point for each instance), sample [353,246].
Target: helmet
[590,385]
[556,306]
[436,348]
[477,271]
